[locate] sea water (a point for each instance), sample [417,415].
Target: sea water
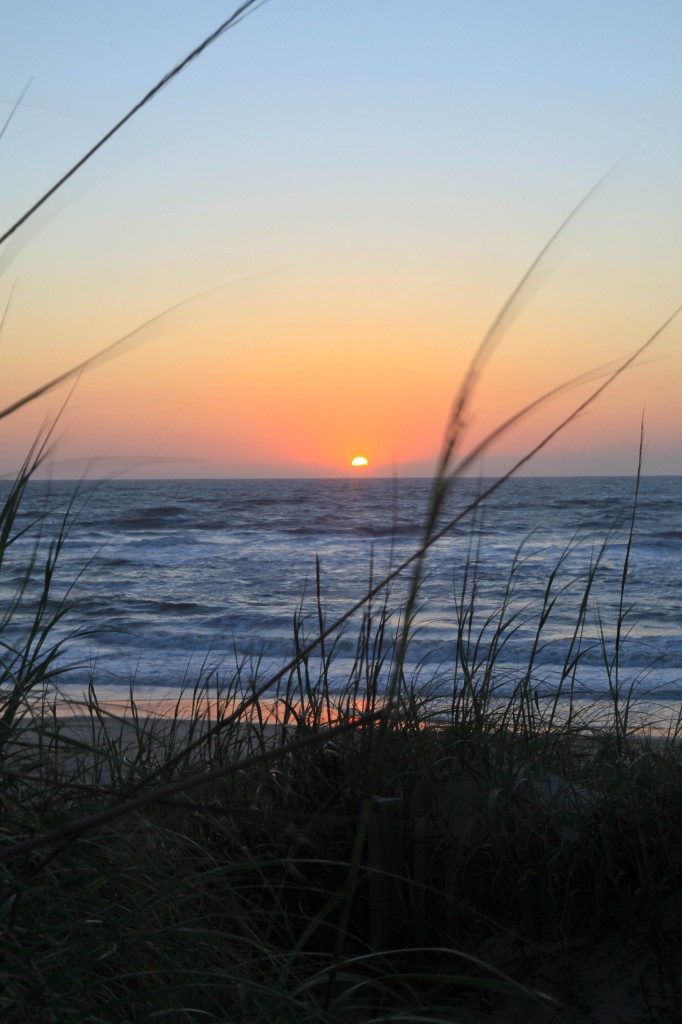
[173,580]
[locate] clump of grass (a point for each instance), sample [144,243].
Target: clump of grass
[271,849]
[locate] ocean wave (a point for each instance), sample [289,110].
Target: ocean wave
[188,566]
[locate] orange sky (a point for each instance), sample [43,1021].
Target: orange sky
[361,237]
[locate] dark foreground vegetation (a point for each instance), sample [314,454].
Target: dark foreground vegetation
[507,870]
[284,852]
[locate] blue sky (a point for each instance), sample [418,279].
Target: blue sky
[407,158]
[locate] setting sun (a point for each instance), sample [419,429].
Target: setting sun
[359,460]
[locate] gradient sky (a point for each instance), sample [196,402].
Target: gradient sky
[355,186]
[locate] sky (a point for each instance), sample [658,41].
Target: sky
[323,215]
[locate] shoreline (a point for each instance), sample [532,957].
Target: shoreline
[161,719]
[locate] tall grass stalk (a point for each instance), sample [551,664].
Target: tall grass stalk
[620,707]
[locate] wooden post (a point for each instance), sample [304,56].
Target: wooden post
[386,871]
[418,887]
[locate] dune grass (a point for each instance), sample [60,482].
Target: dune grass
[274,850]
[410,853]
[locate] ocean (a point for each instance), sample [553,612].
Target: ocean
[170,581]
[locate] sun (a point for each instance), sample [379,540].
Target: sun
[359,460]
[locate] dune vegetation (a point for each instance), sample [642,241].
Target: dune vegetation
[274,850]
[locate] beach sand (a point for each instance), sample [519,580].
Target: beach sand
[90,748]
